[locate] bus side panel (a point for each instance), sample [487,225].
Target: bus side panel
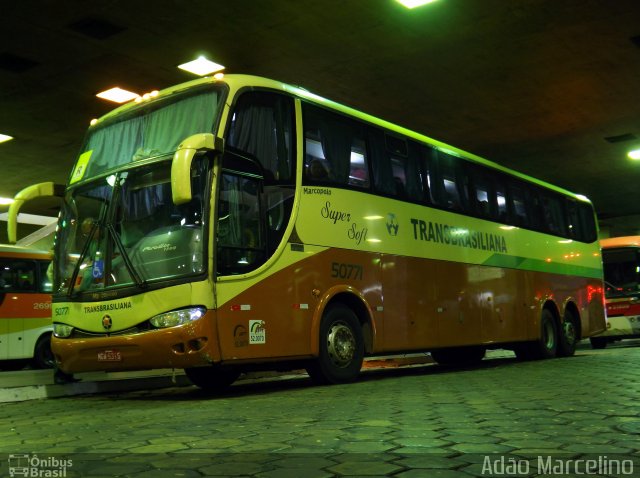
[410,291]
[25,316]
[586,293]
[274,318]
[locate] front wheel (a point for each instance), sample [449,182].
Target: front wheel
[212,378]
[341,347]
[42,354]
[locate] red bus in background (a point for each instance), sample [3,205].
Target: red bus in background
[25,307]
[621,261]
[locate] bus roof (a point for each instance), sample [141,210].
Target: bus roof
[238,81]
[623,241]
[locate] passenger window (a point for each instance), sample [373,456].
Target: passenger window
[453,187]
[554,215]
[335,150]
[262,126]
[482,194]
[501,203]
[518,203]
[588,221]
[17,276]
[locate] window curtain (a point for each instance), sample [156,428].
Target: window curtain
[381,163]
[254,132]
[156,132]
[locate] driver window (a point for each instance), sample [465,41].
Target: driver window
[241,245]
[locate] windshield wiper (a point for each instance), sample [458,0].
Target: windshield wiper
[125,258]
[83,254]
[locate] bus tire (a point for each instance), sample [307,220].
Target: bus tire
[341,347]
[212,378]
[568,337]
[42,354]
[459,355]
[598,343]
[546,346]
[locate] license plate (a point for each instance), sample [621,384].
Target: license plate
[109,356]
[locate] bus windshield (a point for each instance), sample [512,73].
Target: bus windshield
[124,230]
[621,272]
[150,130]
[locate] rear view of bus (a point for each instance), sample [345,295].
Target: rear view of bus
[621,260]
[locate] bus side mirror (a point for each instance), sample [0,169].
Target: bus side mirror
[181,164]
[30,192]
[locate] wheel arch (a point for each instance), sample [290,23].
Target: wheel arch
[571,307]
[552,307]
[355,300]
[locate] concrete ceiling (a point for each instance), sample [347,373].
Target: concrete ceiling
[535,85]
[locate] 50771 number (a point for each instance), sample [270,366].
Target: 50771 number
[346,271]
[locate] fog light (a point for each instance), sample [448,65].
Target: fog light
[62,330]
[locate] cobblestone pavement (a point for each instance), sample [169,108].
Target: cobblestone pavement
[539,418]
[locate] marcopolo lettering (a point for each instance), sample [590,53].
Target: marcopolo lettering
[457,236]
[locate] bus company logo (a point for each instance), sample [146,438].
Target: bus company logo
[107,322]
[257,332]
[240,336]
[392,224]
[33,466]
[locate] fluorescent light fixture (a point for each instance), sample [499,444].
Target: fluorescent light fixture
[31,219]
[201,66]
[414,3]
[117,95]
[635,154]
[6,201]
[5,137]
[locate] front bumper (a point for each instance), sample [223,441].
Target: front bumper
[189,345]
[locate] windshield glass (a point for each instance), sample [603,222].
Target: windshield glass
[621,272]
[154,129]
[124,230]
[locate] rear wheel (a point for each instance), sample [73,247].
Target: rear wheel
[569,334]
[341,347]
[213,378]
[544,347]
[598,342]
[42,354]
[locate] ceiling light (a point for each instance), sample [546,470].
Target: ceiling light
[5,137]
[414,3]
[201,66]
[117,95]
[635,154]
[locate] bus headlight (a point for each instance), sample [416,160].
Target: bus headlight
[62,330]
[177,317]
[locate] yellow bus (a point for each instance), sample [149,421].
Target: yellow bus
[235,222]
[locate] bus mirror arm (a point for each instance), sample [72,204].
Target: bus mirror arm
[181,164]
[30,192]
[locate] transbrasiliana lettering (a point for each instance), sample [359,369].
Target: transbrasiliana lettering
[457,236]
